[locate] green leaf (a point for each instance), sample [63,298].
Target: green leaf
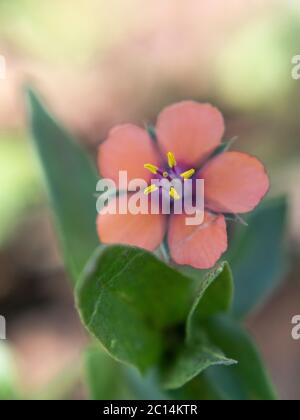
[247,380]
[198,388]
[194,357]
[129,299]
[104,376]
[151,131]
[71,182]
[257,255]
[197,353]
[107,379]
[146,387]
[215,295]
[223,147]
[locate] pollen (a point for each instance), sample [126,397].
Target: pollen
[174,194]
[150,189]
[187,174]
[169,174]
[152,168]
[171,160]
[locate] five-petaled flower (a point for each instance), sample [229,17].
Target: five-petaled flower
[187,135]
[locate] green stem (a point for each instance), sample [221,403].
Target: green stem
[164,253]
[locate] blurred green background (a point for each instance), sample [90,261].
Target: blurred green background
[99,63]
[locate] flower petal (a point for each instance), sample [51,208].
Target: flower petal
[199,246]
[127,148]
[190,130]
[234,183]
[143,230]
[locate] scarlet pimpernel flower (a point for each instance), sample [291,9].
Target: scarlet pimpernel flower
[187,136]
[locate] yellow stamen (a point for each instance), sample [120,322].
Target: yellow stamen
[174,194]
[152,168]
[188,174]
[171,160]
[150,189]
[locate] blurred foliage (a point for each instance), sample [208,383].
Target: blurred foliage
[67,33]
[105,378]
[20,186]
[247,380]
[258,251]
[8,375]
[70,179]
[253,71]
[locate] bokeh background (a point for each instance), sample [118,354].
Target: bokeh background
[98,63]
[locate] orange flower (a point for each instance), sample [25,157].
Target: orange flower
[187,134]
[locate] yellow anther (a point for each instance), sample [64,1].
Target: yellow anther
[150,189]
[174,194]
[188,174]
[152,168]
[171,160]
